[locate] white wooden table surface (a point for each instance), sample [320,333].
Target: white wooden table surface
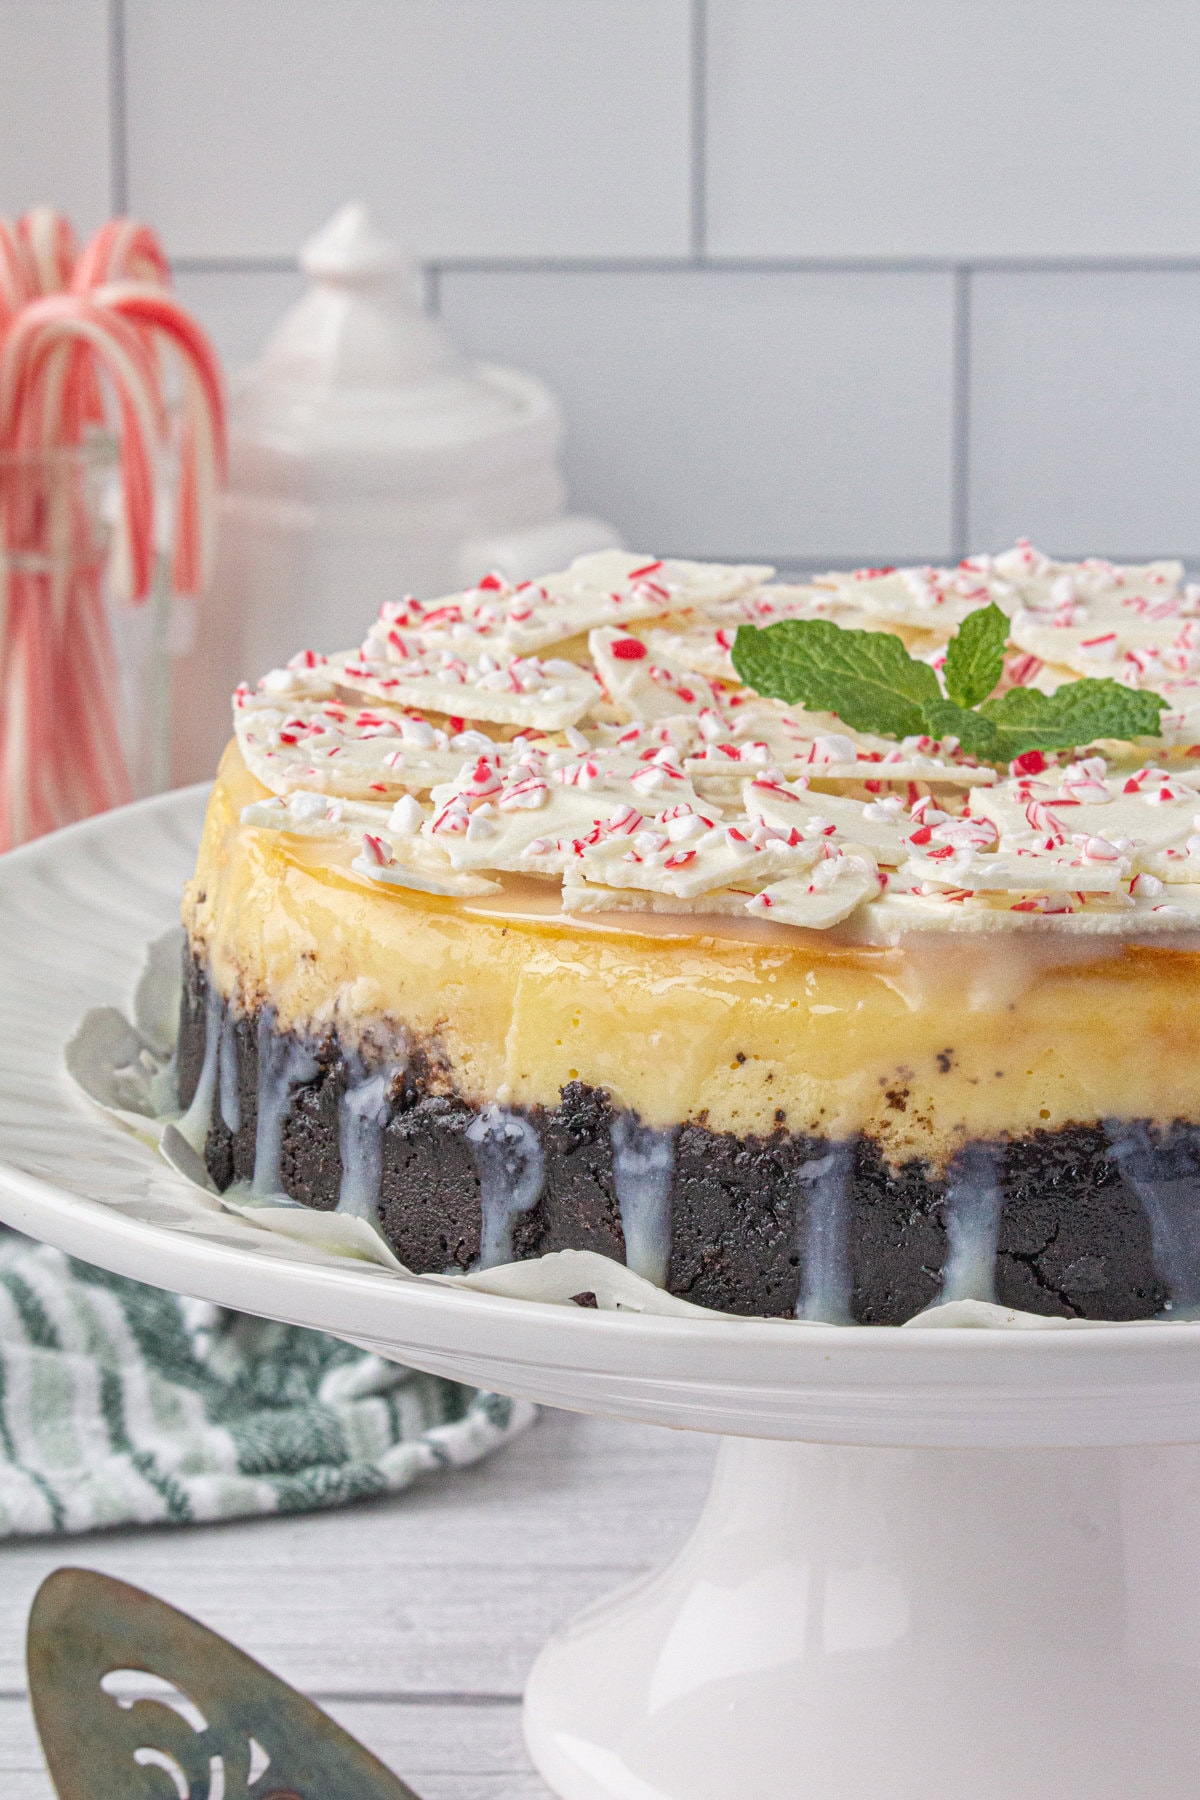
[413,1621]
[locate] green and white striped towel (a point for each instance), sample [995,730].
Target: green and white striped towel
[121,1404]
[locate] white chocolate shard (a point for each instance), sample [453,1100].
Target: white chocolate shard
[609,587]
[766,735]
[896,914]
[927,599]
[415,863]
[836,888]
[721,854]
[702,643]
[1046,585]
[542,695]
[642,688]
[306,677]
[307,814]
[361,753]
[594,897]
[390,851]
[1137,651]
[534,815]
[1147,817]
[1016,871]
[823,815]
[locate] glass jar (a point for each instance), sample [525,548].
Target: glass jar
[84,672]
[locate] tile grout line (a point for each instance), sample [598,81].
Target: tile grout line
[702,263]
[699,129]
[118,111]
[960,417]
[235,265]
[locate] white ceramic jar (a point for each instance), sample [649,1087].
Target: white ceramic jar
[368,459]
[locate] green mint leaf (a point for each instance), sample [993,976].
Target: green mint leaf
[975,656]
[1078,714]
[975,733]
[866,677]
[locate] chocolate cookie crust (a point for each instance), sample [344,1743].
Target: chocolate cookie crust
[1073,1238]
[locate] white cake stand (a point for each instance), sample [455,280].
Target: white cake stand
[934,1565]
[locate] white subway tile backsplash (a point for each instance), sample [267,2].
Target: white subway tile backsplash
[238,308]
[794,415]
[54,108]
[953,128]
[512,128]
[1085,395]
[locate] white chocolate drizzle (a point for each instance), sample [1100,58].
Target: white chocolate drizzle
[511,1167]
[363,1115]
[824,1182]
[230,1098]
[973,1206]
[1166,1179]
[643,1175]
[283,1066]
[198,1117]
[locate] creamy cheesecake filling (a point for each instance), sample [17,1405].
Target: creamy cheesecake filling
[919,1048]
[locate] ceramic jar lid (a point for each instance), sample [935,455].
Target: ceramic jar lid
[358,386]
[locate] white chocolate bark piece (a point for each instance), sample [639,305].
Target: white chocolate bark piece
[874,825]
[306,814]
[1180,724]
[391,848]
[1047,585]
[594,897]
[417,865]
[1148,817]
[703,644]
[1137,650]
[837,887]
[724,853]
[306,677]
[927,599]
[362,753]
[895,915]
[543,695]
[642,688]
[1015,871]
[609,587]
[534,819]
[765,734]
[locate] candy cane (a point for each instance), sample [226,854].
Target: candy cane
[122,250]
[33,400]
[52,247]
[73,328]
[16,281]
[203,446]
[82,768]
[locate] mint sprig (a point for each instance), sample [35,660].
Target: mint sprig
[1077,713]
[975,656]
[872,683]
[866,677]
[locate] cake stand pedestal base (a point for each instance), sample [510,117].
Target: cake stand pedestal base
[887,1624]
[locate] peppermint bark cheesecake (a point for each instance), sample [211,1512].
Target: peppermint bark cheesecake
[827,950]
